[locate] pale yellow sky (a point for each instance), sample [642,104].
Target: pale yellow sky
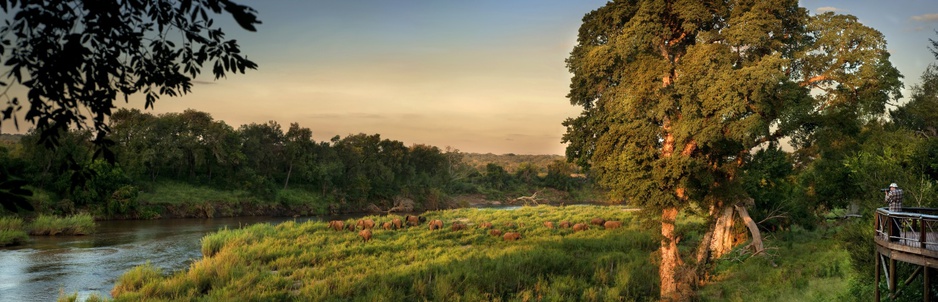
[478,76]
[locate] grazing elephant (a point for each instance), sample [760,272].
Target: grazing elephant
[397,223]
[415,220]
[549,224]
[612,224]
[387,226]
[485,225]
[597,221]
[365,234]
[495,232]
[337,225]
[564,224]
[366,223]
[350,226]
[436,224]
[458,226]
[512,236]
[580,227]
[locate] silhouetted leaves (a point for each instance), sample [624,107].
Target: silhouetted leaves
[75,57]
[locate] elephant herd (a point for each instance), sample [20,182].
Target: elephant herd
[366,225]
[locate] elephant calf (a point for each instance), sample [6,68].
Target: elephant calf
[397,223]
[580,227]
[387,226]
[549,224]
[597,221]
[414,220]
[564,224]
[495,232]
[458,226]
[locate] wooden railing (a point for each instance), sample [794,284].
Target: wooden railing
[916,228]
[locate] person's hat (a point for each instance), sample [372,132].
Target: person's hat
[893,185]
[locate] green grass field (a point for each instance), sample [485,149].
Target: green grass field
[309,261]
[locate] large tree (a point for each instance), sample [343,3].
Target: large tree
[677,95]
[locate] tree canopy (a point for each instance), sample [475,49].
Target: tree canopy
[76,57]
[677,95]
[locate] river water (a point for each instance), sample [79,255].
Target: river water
[46,266]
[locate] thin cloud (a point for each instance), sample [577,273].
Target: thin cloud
[926,18]
[825,9]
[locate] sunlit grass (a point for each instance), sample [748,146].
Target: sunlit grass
[803,266]
[78,224]
[308,261]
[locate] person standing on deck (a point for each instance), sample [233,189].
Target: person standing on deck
[894,200]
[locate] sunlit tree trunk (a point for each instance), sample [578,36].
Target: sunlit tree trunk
[670,259]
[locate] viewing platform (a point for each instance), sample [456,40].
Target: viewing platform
[910,236]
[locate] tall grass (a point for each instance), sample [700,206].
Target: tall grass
[78,224]
[307,261]
[11,231]
[802,266]
[177,193]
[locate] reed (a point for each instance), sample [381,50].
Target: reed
[79,224]
[11,231]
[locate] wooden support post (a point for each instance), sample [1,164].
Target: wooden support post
[892,279]
[927,292]
[921,233]
[876,279]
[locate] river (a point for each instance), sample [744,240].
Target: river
[46,266]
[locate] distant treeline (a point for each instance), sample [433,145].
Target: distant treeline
[343,173]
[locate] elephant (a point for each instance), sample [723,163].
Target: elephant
[495,232]
[612,224]
[597,221]
[366,223]
[397,223]
[580,227]
[436,224]
[387,225]
[485,225]
[549,224]
[565,224]
[415,220]
[512,236]
[337,225]
[350,226]
[365,234]
[458,226]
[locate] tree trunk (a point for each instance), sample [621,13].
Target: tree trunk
[722,241]
[289,171]
[753,229]
[670,259]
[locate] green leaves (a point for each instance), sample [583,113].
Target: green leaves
[82,58]
[12,194]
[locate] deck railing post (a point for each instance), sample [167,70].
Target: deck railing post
[921,233]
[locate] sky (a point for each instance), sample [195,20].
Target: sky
[479,76]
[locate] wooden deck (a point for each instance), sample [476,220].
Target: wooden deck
[910,236]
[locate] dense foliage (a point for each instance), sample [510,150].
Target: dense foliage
[267,164]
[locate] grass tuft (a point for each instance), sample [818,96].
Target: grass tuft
[79,224]
[11,231]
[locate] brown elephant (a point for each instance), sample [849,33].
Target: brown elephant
[512,236]
[397,223]
[564,224]
[337,225]
[350,226]
[366,223]
[458,226]
[436,224]
[365,234]
[580,227]
[485,225]
[612,224]
[495,232]
[549,224]
[414,220]
[387,226]
[597,221]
